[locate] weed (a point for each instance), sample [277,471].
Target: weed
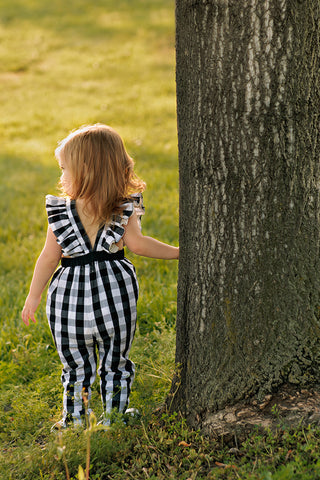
[62,454]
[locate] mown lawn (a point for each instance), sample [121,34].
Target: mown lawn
[64,64]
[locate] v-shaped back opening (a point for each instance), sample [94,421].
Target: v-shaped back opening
[83,232]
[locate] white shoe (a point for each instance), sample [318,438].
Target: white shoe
[131,414]
[59,425]
[104,422]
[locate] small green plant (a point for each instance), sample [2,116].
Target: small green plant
[90,427]
[275,411]
[91,423]
[62,454]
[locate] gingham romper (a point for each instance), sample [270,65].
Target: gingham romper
[92,307]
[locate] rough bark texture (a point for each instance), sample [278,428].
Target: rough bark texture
[248,129]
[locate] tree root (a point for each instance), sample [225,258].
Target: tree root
[288,408]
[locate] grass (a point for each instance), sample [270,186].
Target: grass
[63,64]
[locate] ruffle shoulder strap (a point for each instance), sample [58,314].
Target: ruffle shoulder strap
[116,230]
[61,225]
[57,214]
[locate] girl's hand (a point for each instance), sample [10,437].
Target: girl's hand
[29,309]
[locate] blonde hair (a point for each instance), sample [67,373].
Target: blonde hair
[102,171]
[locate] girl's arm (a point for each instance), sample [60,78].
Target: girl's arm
[45,266]
[146,246]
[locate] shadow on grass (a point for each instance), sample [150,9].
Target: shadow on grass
[95,20]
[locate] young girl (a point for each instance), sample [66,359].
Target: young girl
[91,302]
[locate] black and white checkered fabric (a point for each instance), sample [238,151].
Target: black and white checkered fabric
[92,308]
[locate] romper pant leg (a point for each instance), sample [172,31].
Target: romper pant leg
[115,331]
[116,375]
[71,329]
[78,357]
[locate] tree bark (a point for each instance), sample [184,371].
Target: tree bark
[248,98]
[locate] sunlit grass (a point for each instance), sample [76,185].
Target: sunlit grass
[71,63]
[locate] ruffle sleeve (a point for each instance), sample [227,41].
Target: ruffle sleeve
[115,230]
[61,225]
[138,205]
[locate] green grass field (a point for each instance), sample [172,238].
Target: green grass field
[64,64]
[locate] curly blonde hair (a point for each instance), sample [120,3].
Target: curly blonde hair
[101,169]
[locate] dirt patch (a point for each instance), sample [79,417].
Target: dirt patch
[288,408]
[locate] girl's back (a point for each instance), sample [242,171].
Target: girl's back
[89,224]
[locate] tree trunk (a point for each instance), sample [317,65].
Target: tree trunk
[248,101]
